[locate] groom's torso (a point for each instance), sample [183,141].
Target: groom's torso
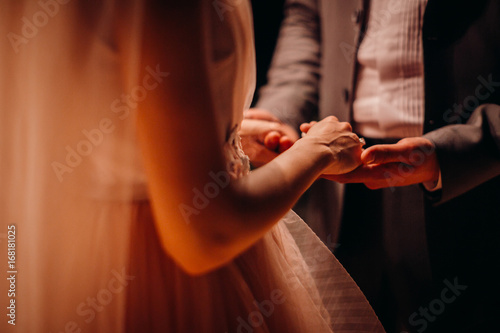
[461,51]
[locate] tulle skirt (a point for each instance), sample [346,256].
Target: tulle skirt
[94,266]
[287,282]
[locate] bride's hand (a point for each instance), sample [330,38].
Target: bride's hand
[344,145]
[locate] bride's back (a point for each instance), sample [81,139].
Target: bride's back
[71,79]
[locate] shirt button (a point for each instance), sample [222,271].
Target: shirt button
[356,16]
[345,94]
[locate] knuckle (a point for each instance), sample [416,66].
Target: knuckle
[404,141]
[346,126]
[332,119]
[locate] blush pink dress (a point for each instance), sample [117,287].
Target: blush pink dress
[88,256]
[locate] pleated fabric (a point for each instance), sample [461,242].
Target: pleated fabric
[289,281]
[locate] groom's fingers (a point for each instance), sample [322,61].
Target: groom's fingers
[381,154]
[276,137]
[258,128]
[412,151]
[376,176]
[276,141]
[260,114]
[272,140]
[285,143]
[259,155]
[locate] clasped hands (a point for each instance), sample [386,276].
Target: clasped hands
[410,161]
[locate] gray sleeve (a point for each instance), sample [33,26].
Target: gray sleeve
[468,154]
[292,90]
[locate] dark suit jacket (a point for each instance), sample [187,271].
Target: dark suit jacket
[313,76]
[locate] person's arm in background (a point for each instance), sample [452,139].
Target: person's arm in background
[291,94]
[465,156]
[468,154]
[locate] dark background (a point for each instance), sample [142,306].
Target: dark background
[267,16]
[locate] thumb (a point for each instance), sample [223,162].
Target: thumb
[381,154]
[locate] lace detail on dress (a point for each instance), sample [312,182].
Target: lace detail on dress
[237,163]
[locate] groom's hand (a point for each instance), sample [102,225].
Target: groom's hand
[264,136]
[410,161]
[287,135]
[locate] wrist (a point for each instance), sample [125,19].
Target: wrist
[320,155]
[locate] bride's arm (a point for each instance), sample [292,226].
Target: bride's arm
[182,137]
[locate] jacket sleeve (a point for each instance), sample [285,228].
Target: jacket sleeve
[468,154]
[292,90]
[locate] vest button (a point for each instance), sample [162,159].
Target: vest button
[346,94]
